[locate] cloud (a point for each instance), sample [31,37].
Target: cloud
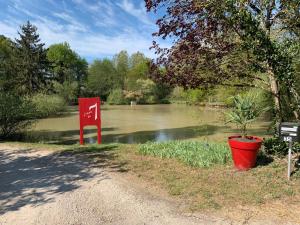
[73,24]
[7,29]
[84,30]
[139,13]
[102,12]
[89,44]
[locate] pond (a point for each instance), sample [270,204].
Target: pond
[142,123]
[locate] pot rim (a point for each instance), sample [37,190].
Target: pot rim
[233,138]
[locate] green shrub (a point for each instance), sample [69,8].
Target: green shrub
[193,153]
[116,97]
[177,94]
[194,96]
[191,96]
[48,105]
[67,90]
[147,88]
[16,114]
[276,147]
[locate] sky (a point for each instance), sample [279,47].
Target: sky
[95,29]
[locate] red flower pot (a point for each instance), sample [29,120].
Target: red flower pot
[244,151]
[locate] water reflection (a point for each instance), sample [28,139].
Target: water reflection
[139,124]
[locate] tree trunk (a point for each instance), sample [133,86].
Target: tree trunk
[276,95]
[297,100]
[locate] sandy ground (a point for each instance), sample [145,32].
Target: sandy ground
[42,187]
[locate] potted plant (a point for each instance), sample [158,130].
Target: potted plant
[244,148]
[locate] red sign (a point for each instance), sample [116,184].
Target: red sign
[89,114]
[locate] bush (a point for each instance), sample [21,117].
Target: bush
[276,147]
[116,97]
[147,88]
[16,114]
[48,105]
[194,96]
[191,96]
[177,94]
[67,90]
[193,153]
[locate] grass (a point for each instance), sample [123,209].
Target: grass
[192,153]
[217,186]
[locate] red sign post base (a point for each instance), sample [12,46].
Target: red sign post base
[89,115]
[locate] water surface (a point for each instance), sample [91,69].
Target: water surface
[142,123]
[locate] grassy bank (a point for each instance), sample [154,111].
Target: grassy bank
[214,185]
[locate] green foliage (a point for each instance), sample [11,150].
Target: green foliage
[67,91]
[193,96]
[196,96]
[274,146]
[125,79]
[137,59]
[30,60]
[48,105]
[147,90]
[26,67]
[162,93]
[116,97]
[244,111]
[190,96]
[193,153]
[67,65]
[138,71]
[7,67]
[102,78]
[223,94]
[121,63]
[16,114]
[177,94]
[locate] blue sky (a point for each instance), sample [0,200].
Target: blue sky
[93,28]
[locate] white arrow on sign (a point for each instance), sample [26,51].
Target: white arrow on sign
[94,107]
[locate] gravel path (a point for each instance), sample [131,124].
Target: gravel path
[42,187]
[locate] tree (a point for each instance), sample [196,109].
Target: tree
[7,67]
[32,66]
[102,78]
[67,65]
[139,71]
[136,59]
[121,63]
[16,114]
[209,34]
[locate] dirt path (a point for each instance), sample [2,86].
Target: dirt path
[42,187]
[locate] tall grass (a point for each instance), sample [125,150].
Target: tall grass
[193,153]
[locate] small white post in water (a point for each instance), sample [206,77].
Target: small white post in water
[132,103]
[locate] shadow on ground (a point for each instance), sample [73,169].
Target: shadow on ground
[263,159]
[27,178]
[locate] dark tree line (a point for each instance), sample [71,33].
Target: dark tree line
[27,67]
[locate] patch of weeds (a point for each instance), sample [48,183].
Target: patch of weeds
[192,153]
[289,192]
